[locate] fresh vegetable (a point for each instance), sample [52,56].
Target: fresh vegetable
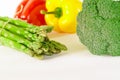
[99,26]
[62,14]
[29,10]
[17,34]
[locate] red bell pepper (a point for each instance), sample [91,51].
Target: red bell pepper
[29,10]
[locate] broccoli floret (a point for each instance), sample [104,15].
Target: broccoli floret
[98,26]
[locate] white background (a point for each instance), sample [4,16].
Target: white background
[75,64]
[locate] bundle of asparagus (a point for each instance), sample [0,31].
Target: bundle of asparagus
[28,38]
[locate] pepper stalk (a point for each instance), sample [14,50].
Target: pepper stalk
[57,12]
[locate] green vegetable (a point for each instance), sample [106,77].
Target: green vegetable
[20,37]
[99,26]
[7,42]
[21,31]
[29,27]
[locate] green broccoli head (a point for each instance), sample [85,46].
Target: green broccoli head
[99,26]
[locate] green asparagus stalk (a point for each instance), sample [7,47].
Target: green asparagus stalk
[16,33]
[52,47]
[46,48]
[27,26]
[58,45]
[32,45]
[7,42]
[22,32]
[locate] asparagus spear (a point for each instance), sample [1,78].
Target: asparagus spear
[7,42]
[22,32]
[58,45]
[32,45]
[52,47]
[39,43]
[27,26]
[46,47]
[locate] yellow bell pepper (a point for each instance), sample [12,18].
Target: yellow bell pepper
[62,14]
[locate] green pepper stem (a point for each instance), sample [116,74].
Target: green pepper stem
[57,12]
[45,12]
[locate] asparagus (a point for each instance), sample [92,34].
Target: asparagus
[32,45]
[22,32]
[7,42]
[27,26]
[59,45]
[47,46]
[16,34]
[16,38]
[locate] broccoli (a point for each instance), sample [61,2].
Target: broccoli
[98,26]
